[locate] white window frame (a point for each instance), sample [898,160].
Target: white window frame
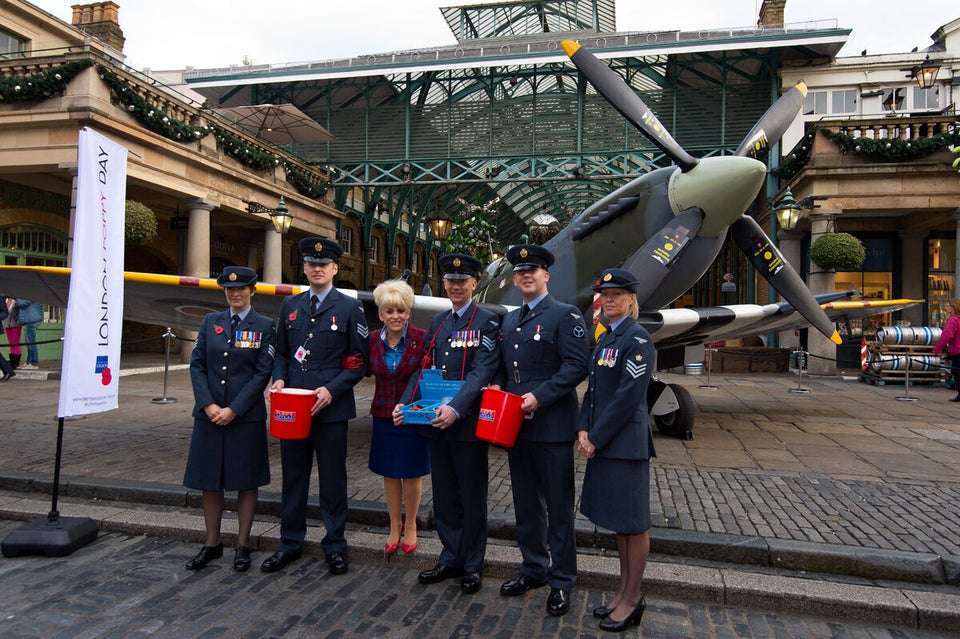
[373,252]
[346,239]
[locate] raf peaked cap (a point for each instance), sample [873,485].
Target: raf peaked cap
[526,257]
[233,276]
[320,250]
[617,278]
[459,266]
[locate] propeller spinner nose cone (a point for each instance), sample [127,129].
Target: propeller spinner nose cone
[722,186]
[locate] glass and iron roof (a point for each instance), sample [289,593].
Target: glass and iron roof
[503,113]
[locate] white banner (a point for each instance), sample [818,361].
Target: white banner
[94,321]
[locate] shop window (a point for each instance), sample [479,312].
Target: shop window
[34,246]
[941,257]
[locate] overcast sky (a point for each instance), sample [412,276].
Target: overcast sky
[216,33]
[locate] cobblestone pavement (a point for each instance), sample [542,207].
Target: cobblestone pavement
[845,464]
[135,586]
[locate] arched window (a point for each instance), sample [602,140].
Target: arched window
[26,245]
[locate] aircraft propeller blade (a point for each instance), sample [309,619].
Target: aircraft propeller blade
[612,87]
[766,258]
[773,124]
[652,262]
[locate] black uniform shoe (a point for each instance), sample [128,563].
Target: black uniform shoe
[633,619]
[954,399]
[205,556]
[558,603]
[336,563]
[602,611]
[471,583]
[438,573]
[278,560]
[241,559]
[520,584]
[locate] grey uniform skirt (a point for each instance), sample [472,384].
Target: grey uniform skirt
[616,494]
[232,457]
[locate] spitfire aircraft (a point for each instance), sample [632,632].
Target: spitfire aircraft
[666,227]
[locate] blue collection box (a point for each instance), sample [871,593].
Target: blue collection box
[434,393]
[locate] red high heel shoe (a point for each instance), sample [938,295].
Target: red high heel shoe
[409,548]
[389,548]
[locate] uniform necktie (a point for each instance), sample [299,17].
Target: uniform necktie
[235,322]
[314,304]
[455,318]
[523,311]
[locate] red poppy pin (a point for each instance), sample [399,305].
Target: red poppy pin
[217,329]
[292,316]
[105,376]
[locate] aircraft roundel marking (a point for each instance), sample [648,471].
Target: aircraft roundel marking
[668,246]
[767,255]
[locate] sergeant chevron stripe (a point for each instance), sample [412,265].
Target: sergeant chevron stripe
[634,369]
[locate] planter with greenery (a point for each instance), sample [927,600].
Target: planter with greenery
[837,250]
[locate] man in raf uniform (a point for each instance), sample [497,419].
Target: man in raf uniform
[463,343]
[545,353]
[322,346]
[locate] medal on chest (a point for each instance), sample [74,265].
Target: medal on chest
[608,357]
[333,322]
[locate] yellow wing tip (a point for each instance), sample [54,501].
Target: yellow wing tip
[835,338]
[802,88]
[570,47]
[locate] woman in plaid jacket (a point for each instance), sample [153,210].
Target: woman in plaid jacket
[398,453]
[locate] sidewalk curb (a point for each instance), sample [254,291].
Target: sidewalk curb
[895,604]
[737,550]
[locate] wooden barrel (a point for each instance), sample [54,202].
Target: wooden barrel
[921,335]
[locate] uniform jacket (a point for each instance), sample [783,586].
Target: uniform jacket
[229,372]
[390,386]
[950,337]
[475,364]
[614,411]
[545,354]
[337,330]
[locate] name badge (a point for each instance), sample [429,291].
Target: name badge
[301,354]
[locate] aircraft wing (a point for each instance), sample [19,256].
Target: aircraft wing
[181,302]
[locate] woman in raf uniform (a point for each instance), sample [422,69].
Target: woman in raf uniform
[398,453]
[614,435]
[230,368]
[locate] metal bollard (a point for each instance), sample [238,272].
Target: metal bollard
[168,336]
[906,384]
[800,360]
[709,363]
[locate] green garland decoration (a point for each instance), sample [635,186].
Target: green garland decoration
[304,184]
[42,85]
[45,84]
[885,149]
[892,149]
[152,117]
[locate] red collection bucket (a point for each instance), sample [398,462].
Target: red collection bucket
[290,412]
[500,417]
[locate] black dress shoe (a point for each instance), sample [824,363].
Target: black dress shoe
[471,583]
[438,573]
[336,563]
[205,556]
[558,603]
[953,399]
[520,584]
[602,611]
[7,376]
[241,559]
[278,560]
[633,619]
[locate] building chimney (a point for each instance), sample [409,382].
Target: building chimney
[100,20]
[771,14]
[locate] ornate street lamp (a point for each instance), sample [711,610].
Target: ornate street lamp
[787,211]
[281,217]
[441,224]
[926,73]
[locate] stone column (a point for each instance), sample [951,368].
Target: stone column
[72,169]
[272,255]
[789,244]
[197,263]
[823,352]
